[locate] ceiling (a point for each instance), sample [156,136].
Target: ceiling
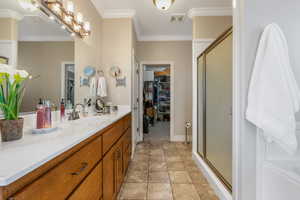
[153,24]
[150,23]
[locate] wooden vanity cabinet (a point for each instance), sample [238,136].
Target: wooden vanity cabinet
[115,164]
[92,170]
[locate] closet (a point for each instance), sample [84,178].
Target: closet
[215,107]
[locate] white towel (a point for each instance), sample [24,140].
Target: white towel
[102,87]
[93,87]
[274,96]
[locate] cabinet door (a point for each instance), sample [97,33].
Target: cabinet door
[110,175]
[119,166]
[91,187]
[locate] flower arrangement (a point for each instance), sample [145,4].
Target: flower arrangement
[12,90]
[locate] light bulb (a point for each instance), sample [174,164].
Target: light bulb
[68,19]
[76,28]
[79,18]
[56,8]
[51,17]
[73,34]
[70,7]
[87,26]
[63,27]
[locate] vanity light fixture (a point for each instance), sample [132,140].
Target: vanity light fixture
[63,12]
[163,4]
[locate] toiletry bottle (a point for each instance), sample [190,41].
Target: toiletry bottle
[40,115]
[48,120]
[62,110]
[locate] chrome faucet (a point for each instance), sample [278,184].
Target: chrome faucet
[75,114]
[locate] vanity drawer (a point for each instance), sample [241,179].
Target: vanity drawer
[60,181]
[91,187]
[112,135]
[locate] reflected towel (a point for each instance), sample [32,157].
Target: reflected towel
[102,87]
[274,96]
[93,87]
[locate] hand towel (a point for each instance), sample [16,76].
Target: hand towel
[101,87]
[274,96]
[93,87]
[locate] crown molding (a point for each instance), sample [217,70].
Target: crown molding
[6,13]
[210,11]
[118,13]
[45,38]
[165,38]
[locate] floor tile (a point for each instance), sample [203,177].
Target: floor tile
[141,157]
[191,166]
[158,177]
[179,177]
[158,166]
[134,191]
[139,166]
[137,176]
[156,162]
[175,166]
[184,192]
[198,177]
[173,158]
[159,191]
[204,190]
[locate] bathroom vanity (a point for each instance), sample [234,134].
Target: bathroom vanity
[84,159]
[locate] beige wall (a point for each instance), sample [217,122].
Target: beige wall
[43,59]
[9,29]
[87,50]
[179,52]
[210,26]
[117,45]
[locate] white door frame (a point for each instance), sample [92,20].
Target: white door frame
[172,89]
[63,65]
[238,100]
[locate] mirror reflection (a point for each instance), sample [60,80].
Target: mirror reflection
[46,52]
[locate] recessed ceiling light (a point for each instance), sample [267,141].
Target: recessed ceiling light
[163,4]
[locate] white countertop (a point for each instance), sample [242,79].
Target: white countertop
[20,157]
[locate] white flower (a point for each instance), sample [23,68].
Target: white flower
[7,69]
[11,71]
[22,73]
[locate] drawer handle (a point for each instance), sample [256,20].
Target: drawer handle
[83,167]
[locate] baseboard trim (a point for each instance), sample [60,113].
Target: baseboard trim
[178,138]
[216,184]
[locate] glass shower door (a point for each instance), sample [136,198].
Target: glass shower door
[218,114]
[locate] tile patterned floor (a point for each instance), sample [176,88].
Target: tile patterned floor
[162,170]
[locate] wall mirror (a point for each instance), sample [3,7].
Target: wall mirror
[46,52]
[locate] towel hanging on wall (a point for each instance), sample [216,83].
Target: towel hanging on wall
[274,96]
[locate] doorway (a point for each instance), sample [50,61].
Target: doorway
[157,100]
[68,82]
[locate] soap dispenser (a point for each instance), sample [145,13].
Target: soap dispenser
[48,120]
[40,115]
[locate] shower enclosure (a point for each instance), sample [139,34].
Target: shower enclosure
[215,107]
